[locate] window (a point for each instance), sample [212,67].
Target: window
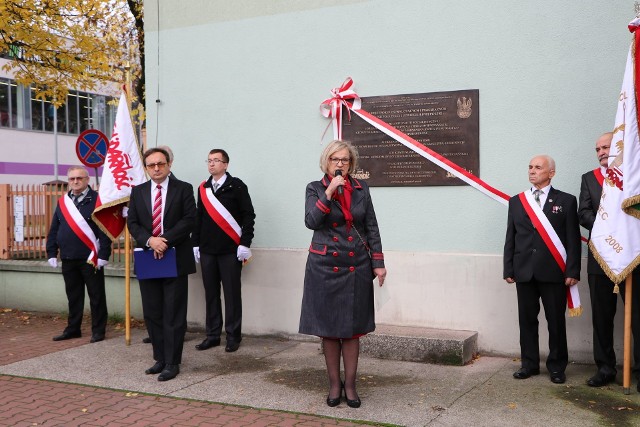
[5,110]
[21,110]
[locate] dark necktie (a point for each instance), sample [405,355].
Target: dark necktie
[157,212]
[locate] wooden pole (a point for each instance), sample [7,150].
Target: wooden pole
[127,286]
[626,367]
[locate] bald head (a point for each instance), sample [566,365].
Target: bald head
[541,169]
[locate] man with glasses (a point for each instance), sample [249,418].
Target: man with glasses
[161,216]
[84,251]
[221,240]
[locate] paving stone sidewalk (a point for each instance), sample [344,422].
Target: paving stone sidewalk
[37,402]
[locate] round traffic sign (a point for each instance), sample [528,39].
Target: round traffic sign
[91,148]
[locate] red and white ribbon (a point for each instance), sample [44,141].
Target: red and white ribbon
[80,227]
[220,215]
[553,243]
[331,108]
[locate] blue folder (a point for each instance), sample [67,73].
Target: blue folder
[147,267]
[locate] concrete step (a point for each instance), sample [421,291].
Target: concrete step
[415,344]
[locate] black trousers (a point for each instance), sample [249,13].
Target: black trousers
[603,308]
[554,300]
[77,273]
[164,304]
[227,269]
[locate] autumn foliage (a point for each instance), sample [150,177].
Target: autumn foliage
[58,45]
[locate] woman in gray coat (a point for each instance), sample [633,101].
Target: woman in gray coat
[344,257]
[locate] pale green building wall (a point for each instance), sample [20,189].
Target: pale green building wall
[248,76]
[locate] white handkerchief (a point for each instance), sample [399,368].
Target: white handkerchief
[380,293]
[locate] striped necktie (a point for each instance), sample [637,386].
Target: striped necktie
[157,212]
[536,196]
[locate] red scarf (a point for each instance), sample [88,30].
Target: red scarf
[344,200]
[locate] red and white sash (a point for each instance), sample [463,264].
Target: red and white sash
[599,176]
[553,243]
[80,227]
[220,215]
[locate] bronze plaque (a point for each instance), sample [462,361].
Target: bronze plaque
[445,122]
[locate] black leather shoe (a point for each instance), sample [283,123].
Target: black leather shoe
[155,369]
[67,336]
[524,373]
[333,401]
[146,340]
[232,346]
[96,338]
[208,343]
[558,377]
[169,372]
[355,403]
[600,379]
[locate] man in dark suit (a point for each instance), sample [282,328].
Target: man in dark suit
[164,300]
[70,228]
[541,221]
[221,240]
[603,301]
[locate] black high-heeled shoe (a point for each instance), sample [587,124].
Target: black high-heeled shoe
[355,403]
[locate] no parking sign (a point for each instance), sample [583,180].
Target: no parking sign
[91,148]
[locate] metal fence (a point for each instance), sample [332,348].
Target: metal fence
[25,218]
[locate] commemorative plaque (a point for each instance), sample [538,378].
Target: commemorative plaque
[445,122]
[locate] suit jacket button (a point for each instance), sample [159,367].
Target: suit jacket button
[534,250]
[335,254]
[335,238]
[350,238]
[352,268]
[335,224]
[335,269]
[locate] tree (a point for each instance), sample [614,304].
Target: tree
[57,45]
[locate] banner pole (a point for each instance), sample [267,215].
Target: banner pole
[626,368]
[127,286]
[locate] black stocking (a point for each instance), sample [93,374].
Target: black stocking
[350,353]
[331,349]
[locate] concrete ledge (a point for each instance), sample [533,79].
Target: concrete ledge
[414,344]
[42,266]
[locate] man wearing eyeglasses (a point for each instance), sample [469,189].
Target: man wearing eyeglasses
[221,240]
[161,216]
[84,251]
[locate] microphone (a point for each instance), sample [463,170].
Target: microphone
[340,190]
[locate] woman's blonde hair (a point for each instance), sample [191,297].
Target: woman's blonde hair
[332,148]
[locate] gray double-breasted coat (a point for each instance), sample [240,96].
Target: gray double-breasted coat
[338,284]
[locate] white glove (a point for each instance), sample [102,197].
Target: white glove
[53,262]
[244,253]
[196,253]
[102,263]
[125,211]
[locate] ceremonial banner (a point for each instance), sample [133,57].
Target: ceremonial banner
[615,237]
[121,172]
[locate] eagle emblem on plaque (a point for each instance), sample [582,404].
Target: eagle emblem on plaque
[464,107]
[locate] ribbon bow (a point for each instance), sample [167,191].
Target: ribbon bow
[332,107]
